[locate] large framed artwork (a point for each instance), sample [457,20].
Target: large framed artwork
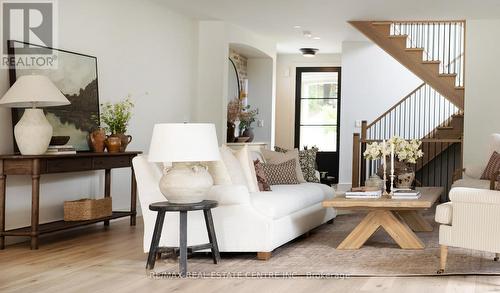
[76,76]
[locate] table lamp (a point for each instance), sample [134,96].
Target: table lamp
[184,145]
[33,132]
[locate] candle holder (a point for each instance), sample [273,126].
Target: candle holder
[385,184]
[392,183]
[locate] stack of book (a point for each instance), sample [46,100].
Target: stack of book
[61,150]
[406,194]
[364,193]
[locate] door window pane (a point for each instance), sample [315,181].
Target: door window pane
[319,85]
[318,111]
[324,137]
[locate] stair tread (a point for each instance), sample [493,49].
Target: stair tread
[398,36]
[448,74]
[414,49]
[381,22]
[431,62]
[460,88]
[445,127]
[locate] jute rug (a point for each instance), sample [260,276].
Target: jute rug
[316,255]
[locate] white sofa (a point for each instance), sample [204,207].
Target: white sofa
[244,222]
[470,221]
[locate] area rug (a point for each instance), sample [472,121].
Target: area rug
[315,255]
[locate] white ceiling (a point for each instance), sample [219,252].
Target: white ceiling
[327,18]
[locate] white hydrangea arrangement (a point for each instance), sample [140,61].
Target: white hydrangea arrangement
[405,150]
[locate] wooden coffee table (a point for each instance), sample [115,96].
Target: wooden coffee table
[398,217]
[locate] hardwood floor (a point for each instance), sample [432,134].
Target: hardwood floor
[96,259]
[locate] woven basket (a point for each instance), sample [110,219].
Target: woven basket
[87,209]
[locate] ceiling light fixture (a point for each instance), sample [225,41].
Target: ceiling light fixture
[307,34]
[296,26]
[317,38]
[308,52]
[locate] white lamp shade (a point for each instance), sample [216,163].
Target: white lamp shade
[184,142]
[33,91]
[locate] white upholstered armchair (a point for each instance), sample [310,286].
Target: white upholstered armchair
[470,220]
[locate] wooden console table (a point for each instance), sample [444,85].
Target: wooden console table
[35,166]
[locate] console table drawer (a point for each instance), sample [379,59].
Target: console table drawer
[68,165]
[111,162]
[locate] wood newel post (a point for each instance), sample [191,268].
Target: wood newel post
[364,130]
[356,155]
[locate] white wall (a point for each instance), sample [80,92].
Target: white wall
[482,101]
[260,95]
[372,82]
[285,91]
[214,40]
[141,46]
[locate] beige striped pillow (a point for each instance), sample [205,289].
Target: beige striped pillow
[492,167]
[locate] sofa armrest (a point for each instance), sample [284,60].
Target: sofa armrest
[444,213]
[229,194]
[473,195]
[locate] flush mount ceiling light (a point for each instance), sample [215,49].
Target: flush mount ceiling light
[316,38]
[296,26]
[308,52]
[307,34]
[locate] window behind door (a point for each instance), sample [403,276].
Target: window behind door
[317,114]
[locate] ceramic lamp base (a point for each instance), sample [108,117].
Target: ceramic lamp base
[33,132]
[185,183]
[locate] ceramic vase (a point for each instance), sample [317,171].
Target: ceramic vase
[113,144]
[96,140]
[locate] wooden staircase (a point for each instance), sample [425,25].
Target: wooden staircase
[412,58]
[433,112]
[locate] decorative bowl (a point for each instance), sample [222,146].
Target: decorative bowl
[59,140]
[243,139]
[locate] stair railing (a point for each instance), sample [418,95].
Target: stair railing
[441,40]
[413,117]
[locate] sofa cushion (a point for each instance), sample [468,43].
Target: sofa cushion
[281,174]
[246,163]
[284,200]
[281,157]
[444,213]
[472,183]
[233,166]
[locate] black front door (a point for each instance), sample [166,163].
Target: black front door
[317,114]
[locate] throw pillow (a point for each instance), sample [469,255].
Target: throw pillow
[245,158]
[283,173]
[279,157]
[307,162]
[233,166]
[261,176]
[492,167]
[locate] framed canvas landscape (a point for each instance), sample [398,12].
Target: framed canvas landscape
[76,77]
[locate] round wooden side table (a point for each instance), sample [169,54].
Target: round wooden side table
[183,209]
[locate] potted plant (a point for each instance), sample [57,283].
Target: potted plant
[247,117]
[406,153]
[116,118]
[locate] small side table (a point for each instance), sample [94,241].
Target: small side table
[162,208]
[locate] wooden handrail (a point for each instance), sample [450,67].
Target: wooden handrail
[443,140]
[395,106]
[424,21]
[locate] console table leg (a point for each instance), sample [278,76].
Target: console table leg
[107,188]
[2,205]
[35,203]
[133,198]
[183,244]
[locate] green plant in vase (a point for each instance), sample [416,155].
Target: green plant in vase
[247,117]
[116,118]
